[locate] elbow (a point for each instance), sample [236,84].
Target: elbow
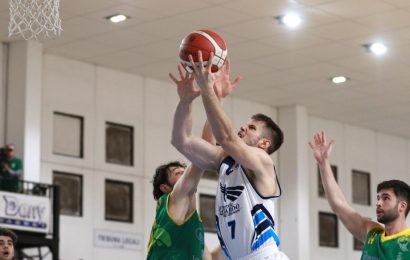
[176,143]
[338,207]
[224,141]
[179,144]
[335,208]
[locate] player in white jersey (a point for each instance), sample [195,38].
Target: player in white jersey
[243,216]
[247,181]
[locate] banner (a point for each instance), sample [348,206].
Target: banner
[25,212]
[119,240]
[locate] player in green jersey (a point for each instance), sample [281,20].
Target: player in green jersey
[178,232]
[388,242]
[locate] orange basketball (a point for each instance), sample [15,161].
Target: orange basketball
[207,41]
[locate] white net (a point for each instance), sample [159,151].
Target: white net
[34,18]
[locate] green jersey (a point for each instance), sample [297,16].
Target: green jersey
[381,247]
[10,180]
[175,241]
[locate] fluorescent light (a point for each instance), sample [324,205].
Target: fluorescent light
[339,79]
[290,20]
[377,48]
[117,18]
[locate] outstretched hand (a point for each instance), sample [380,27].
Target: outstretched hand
[185,85]
[321,149]
[204,77]
[223,85]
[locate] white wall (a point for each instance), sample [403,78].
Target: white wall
[384,156]
[99,95]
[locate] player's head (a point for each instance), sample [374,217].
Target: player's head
[8,240]
[262,132]
[393,197]
[10,150]
[165,177]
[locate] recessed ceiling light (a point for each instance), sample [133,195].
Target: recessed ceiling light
[117,18]
[377,48]
[339,79]
[290,20]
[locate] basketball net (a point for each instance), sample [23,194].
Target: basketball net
[34,18]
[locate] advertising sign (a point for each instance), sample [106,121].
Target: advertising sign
[118,240]
[25,212]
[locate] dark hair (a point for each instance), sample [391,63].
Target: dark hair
[400,189]
[9,233]
[275,134]
[161,177]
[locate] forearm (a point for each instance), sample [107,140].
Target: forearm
[207,133]
[334,194]
[182,125]
[196,150]
[218,119]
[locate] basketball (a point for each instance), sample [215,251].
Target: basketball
[206,41]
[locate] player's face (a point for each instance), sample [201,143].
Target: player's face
[6,248]
[174,173]
[10,151]
[251,132]
[387,206]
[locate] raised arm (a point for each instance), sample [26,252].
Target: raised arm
[182,200]
[353,221]
[198,151]
[251,157]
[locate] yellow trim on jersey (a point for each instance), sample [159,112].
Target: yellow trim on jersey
[151,237]
[404,233]
[185,220]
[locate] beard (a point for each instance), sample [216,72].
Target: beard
[389,215]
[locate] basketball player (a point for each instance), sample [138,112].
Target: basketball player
[178,231]
[8,240]
[247,181]
[393,204]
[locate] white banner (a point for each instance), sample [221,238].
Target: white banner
[119,240]
[25,212]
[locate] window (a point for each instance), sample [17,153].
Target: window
[68,135]
[71,193]
[207,211]
[328,230]
[118,201]
[119,144]
[361,187]
[321,190]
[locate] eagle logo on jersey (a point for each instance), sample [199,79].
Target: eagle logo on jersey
[232,193]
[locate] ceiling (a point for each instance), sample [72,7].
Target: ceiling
[280,66]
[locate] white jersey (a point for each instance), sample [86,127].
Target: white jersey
[244,219]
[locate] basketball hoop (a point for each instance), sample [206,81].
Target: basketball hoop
[34,18]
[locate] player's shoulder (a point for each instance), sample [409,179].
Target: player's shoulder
[374,229]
